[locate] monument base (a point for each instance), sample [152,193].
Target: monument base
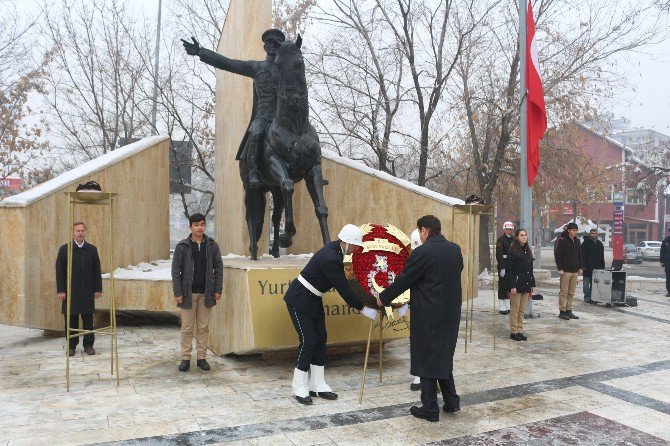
[252,317]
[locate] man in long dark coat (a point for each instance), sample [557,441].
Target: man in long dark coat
[86,285]
[433,274]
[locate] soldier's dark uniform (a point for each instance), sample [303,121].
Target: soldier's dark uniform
[502,247]
[324,271]
[266,80]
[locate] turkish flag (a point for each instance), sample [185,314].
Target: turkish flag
[535,107]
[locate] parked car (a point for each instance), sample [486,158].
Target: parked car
[631,254]
[650,250]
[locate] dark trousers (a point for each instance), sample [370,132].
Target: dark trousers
[312,334]
[667,277]
[586,286]
[503,287]
[429,393]
[87,319]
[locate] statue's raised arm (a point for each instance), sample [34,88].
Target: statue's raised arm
[244,68]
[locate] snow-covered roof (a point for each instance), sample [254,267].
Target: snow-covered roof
[80,172]
[623,147]
[328,154]
[583,225]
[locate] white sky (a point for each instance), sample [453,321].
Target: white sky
[645,102]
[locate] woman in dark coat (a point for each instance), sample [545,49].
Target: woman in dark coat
[519,270]
[433,274]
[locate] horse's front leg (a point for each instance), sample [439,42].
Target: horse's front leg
[314,182]
[278,201]
[279,171]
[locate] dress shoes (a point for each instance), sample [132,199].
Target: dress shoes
[184,365]
[89,350]
[503,312]
[571,315]
[307,400]
[324,395]
[414,387]
[202,364]
[522,336]
[515,337]
[564,315]
[71,351]
[419,412]
[451,409]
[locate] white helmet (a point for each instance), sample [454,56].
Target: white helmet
[508,225]
[416,239]
[351,234]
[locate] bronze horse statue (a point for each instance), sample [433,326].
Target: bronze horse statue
[291,152]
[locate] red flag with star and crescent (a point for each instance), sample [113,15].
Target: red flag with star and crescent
[536,109]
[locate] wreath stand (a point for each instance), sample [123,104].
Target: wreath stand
[92,199]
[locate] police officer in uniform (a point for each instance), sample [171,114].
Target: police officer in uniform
[324,271]
[502,247]
[266,79]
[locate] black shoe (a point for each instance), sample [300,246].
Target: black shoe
[564,315]
[202,364]
[414,387]
[571,315]
[503,312]
[303,400]
[71,352]
[514,337]
[667,294]
[254,179]
[184,365]
[324,395]
[592,302]
[522,336]
[451,409]
[419,412]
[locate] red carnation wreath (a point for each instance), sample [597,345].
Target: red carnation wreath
[375,267]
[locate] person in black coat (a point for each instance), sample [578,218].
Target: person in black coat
[593,256]
[521,282]
[433,274]
[502,246]
[86,285]
[325,270]
[665,262]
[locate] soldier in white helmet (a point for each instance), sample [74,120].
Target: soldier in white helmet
[502,246]
[324,271]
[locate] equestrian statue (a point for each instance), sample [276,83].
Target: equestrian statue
[280,146]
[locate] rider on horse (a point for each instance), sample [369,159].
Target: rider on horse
[265,76]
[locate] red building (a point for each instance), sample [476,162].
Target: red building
[626,177]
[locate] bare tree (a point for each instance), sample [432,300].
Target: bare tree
[577,60]
[94,82]
[21,141]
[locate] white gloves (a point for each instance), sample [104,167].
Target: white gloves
[502,272]
[369,312]
[403,310]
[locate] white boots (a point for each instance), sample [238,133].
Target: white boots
[301,386]
[503,306]
[317,383]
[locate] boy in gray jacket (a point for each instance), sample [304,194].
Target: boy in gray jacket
[197,281]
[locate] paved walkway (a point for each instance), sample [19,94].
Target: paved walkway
[601,380]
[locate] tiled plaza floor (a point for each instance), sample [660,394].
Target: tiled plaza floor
[601,380]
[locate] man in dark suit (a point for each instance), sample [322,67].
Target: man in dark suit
[433,274]
[85,288]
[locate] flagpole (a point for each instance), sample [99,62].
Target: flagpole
[526,198]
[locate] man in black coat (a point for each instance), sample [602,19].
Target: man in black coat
[593,256]
[324,271]
[665,262]
[86,286]
[433,274]
[197,283]
[569,262]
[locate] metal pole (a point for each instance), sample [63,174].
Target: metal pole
[156,59]
[365,364]
[526,204]
[111,290]
[473,277]
[381,336]
[69,292]
[469,282]
[494,272]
